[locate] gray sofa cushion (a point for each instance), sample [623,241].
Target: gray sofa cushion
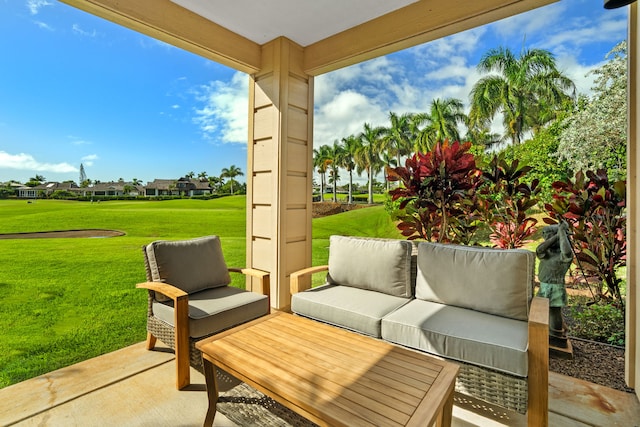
[382,265]
[460,334]
[495,281]
[191,265]
[216,309]
[353,308]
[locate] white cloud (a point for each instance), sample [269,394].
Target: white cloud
[79,141]
[24,161]
[539,21]
[34,6]
[344,115]
[223,116]
[43,25]
[89,160]
[78,30]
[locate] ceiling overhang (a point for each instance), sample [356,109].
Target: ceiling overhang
[333,33]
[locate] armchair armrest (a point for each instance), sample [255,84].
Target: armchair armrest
[181,324]
[538,402]
[296,285]
[166,289]
[264,278]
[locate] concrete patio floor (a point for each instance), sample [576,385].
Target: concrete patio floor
[135,387]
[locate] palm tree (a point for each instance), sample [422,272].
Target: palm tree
[321,157]
[190,175]
[444,117]
[417,134]
[526,90]
[215,182]
[334,165]
[202,176]
[388,161]
[346,160]
[397,138]
[368,154]
[231,172]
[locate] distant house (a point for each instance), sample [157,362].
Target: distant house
[176,187]
[159,187]
[105,189]
[46,189]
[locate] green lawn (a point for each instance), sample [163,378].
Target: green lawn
[67,300]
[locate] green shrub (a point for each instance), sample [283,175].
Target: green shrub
[598,322]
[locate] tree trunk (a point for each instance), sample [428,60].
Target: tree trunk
[370,172]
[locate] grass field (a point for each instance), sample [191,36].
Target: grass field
[70,299]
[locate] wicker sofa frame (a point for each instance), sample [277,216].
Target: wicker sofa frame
[524,395]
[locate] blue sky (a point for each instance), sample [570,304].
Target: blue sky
[77,89]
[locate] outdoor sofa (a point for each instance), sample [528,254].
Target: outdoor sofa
[471,305]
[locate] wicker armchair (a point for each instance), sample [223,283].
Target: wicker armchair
[189,297]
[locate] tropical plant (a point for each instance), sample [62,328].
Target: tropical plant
[505,203]
[202,176]
[231,172]
[525,90]
[437,194]
[595,136]
[367,155]
[594,207]
[541,154]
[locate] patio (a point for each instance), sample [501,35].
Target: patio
[135,387]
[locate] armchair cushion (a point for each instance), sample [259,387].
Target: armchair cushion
[373,264]
[495,281]
[191,265]
[217,309]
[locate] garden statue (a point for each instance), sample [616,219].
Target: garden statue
[555,255]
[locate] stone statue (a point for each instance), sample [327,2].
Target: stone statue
[555,255]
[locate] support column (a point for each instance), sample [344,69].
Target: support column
[280,167]
[632,353]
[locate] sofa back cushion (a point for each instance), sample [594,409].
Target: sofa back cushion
[382,265]
[494,281]
[191,265]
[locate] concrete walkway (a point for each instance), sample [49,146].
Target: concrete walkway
[135,387]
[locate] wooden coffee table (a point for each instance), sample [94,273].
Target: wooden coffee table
[331,376]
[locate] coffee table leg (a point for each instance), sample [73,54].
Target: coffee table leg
[212,391]
[446,416]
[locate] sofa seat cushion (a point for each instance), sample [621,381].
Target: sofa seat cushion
[352,308]
[465,335]
[216,309]
[382,265]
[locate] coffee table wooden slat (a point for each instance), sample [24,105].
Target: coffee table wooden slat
[343,367]
[331,376]
[363,383]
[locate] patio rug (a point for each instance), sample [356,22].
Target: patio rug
[246,406]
